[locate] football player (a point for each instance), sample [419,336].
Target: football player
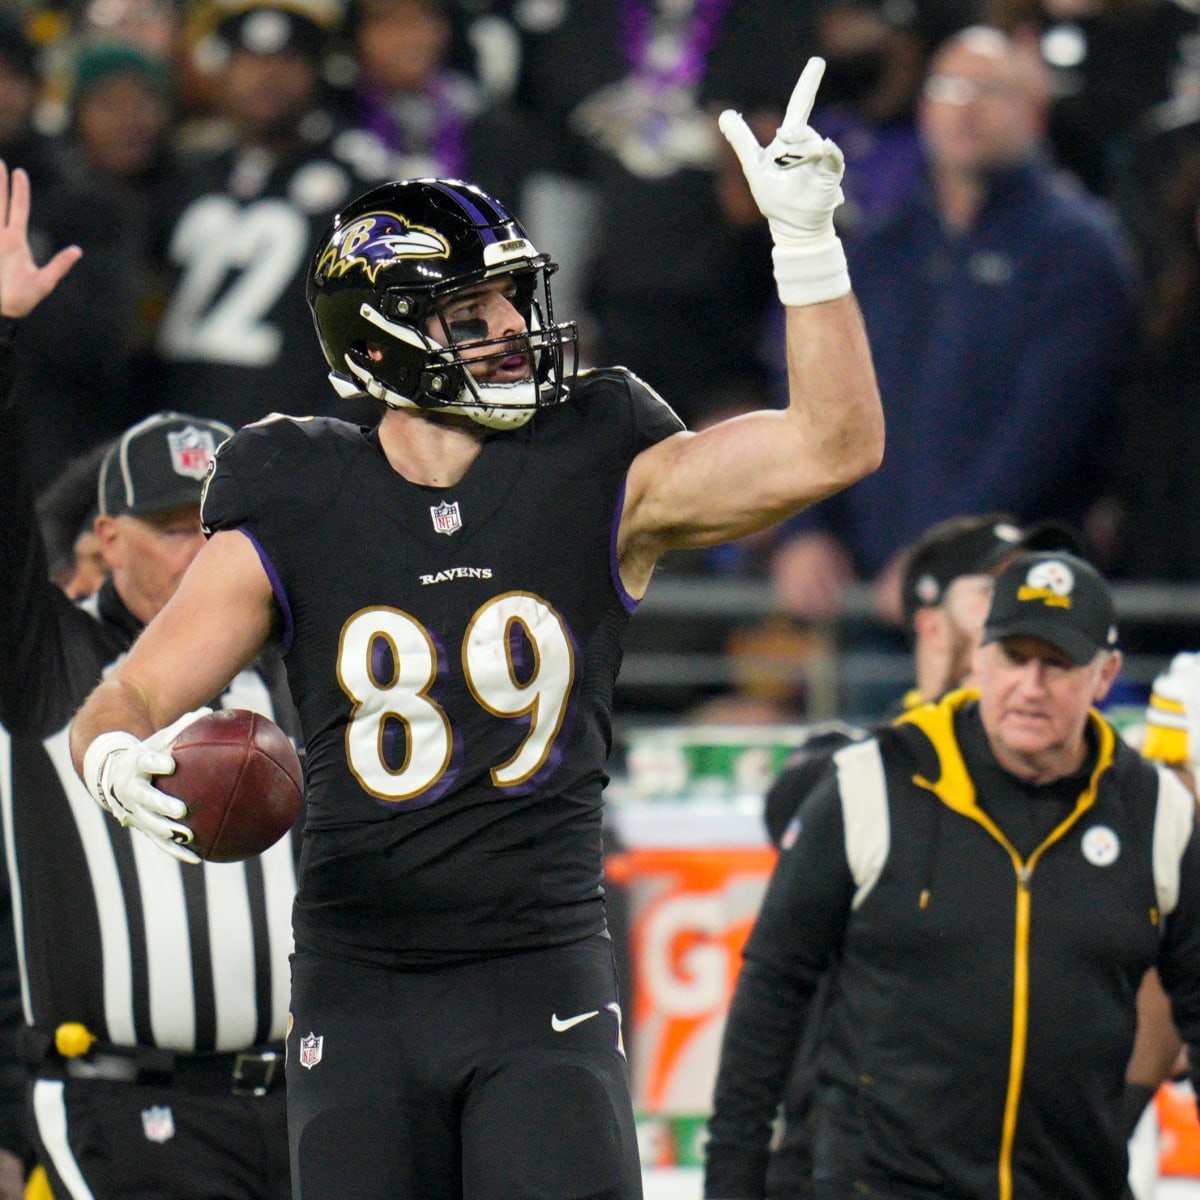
[449,590]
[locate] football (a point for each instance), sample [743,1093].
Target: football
[241,778]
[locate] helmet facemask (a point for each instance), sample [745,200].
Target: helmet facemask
[417,370]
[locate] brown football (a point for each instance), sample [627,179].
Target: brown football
[242,780]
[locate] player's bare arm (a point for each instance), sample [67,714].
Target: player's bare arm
[697,489]
[214,625]
[749,472]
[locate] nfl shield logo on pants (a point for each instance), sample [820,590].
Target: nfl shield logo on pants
[310,1050]
[446,517]
[158,1123]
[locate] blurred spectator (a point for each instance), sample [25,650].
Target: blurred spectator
[234,240]
[630,92]
[1110,62]
[118,148]
[407,95]
[121,118]
[876,53]
[1001,312]
[433,119]
[75,384]
[1159,426]
[20,86]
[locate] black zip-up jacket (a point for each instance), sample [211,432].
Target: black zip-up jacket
[986,950]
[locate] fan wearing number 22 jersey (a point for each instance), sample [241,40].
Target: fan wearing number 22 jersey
[452,653]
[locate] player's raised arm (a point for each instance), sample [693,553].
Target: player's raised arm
[751,471]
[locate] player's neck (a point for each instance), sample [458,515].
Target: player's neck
[428,452]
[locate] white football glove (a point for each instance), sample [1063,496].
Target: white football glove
[1173,718]
[119,771]
[796,182]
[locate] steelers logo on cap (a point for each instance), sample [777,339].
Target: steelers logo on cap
[1052,576]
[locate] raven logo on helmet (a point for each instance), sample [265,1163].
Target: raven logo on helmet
[376,241]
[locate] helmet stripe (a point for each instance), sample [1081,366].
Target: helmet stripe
[469,202]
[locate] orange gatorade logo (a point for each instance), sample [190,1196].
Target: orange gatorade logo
[692,910]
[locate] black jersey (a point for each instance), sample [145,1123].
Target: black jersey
[111,932]
[452,655]
[236,337]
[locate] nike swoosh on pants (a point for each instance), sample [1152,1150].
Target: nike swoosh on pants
[565,1023]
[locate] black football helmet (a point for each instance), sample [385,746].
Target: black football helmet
[388,263]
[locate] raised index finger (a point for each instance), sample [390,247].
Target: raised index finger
[800,106]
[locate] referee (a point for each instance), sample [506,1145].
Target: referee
[155,998]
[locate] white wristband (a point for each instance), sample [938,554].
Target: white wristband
[96,755]
[811,274]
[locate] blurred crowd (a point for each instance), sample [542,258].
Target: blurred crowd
[1022,221]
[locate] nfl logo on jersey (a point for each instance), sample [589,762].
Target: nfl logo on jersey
[446,517]
[310,1050]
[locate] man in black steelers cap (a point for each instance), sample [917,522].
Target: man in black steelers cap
[987,881]
[946,588]
[1057,599]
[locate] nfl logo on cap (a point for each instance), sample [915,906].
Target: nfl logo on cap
[159,464]
[192,450]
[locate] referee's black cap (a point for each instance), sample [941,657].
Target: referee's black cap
[158,464]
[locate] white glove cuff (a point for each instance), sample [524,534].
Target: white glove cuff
[811,274]
[96,756]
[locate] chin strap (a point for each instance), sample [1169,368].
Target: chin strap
[491,415]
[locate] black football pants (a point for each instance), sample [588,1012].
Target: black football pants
[498,1080]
